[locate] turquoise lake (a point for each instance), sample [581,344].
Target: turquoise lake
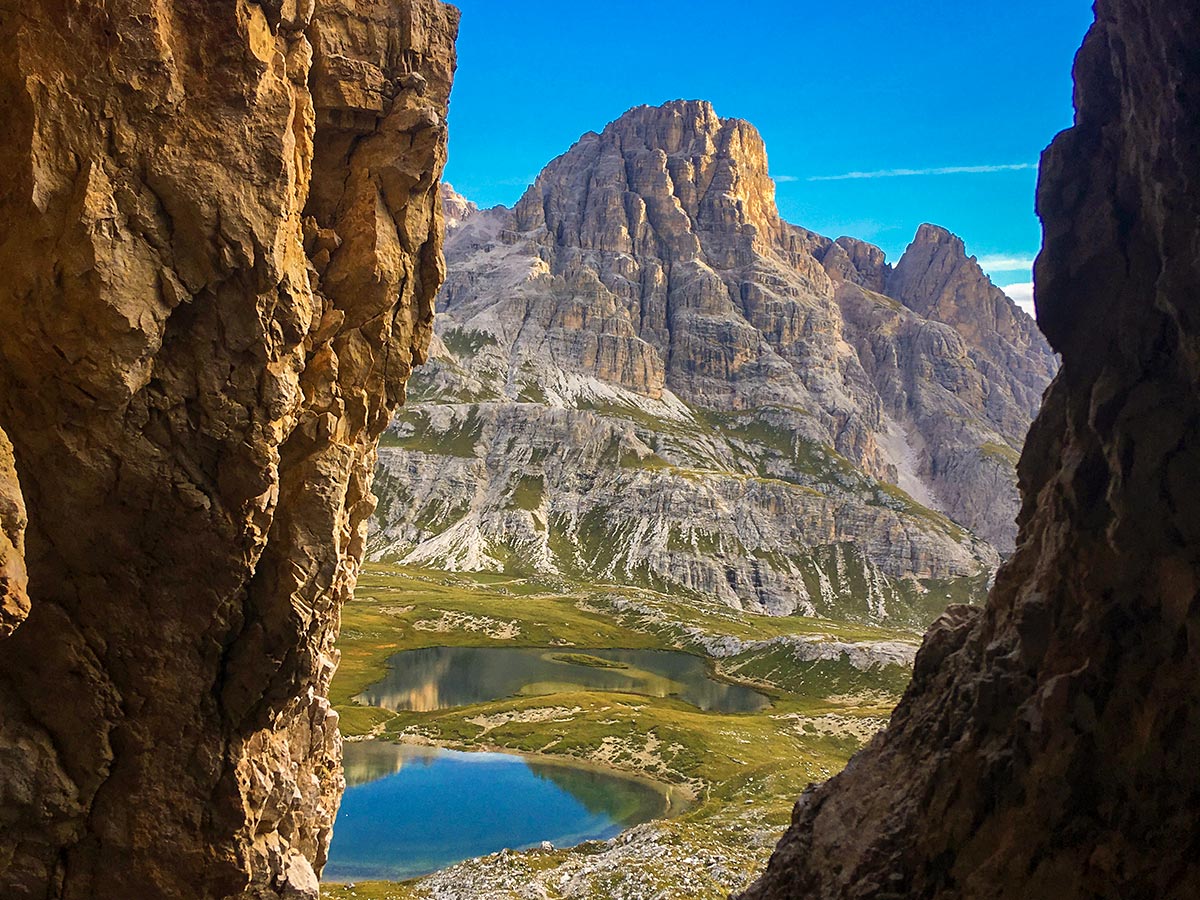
[409,811]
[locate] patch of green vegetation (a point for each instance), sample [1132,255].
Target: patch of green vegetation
[1002,452]
[422,386]
[778,452]
[818,459]
[413,430]
[590,545]
[652,462]
[443,381]
[844,585]
[593,662]
[910,506]
[391,492]
[933,595]
[528,493]
[464,342]
[883,300]
[531,392]
[369,890]
[636,415]
[778,666]
[440,513]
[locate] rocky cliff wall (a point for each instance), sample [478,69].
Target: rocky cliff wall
[643,375]
[957,366]
[1047,745]
[222,245]
[14,580]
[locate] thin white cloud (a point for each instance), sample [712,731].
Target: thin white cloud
[786,179]
[1022,295]
[909,173]
[1005,262]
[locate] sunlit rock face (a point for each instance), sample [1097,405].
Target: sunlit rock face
[672,209]
[222,245]
[645,375]
[1047,745]
[14,597]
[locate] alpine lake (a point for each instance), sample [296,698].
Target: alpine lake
[495,733]
[411,810]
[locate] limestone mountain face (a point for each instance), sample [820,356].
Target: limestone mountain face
[957,365]
[642,373]
[1046,746]
[222,248]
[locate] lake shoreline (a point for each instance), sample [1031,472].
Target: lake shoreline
[680,798]
[669,801]
[712,838]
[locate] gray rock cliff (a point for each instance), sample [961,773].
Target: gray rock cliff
[643,374]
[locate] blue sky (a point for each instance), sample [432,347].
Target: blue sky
[967,94]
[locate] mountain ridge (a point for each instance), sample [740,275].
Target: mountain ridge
[650,376]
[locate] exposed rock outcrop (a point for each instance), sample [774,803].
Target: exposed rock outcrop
[734,516]
[226,248]
[646,376]
[958,367]
[1047,745]
[14,597]
[456,209]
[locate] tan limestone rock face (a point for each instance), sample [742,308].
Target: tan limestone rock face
[937,280]
[670,213]
[1047,745]
[228,248]
[14,596]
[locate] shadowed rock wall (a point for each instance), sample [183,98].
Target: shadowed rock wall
[1048,746]
[221,245]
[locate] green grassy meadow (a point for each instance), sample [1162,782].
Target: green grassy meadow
[736,775]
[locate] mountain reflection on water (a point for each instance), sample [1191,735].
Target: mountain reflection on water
[367,761]
[443,677]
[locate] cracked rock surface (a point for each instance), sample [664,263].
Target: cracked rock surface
[222,246]
[644,375]
[14,598]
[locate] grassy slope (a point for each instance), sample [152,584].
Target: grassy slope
[753,449]
[820,715]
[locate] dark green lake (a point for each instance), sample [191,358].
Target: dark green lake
[445,677]
[409,811]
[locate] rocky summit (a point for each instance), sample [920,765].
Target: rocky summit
[642,374]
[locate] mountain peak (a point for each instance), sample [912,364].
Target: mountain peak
[673,127]
[456,208]
[698,108]
[935,273]
[936,236]
[676,176]
[938,280]
[691,128]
